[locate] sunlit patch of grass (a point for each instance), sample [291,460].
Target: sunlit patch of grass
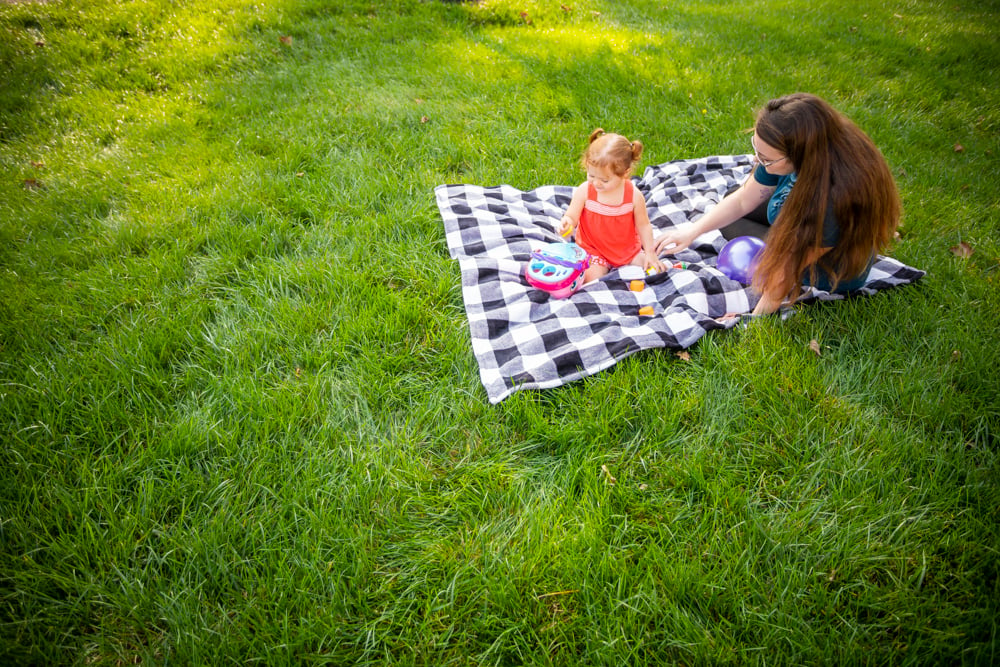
[528,13]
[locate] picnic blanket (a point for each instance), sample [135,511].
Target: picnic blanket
[524,339]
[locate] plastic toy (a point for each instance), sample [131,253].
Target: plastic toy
[646,311]
[557,268]
[676,265]
[738,258]
[636,285]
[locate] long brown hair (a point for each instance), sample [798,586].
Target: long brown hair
[837,166]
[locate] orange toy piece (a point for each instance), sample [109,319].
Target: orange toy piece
[637,285]
[646,310]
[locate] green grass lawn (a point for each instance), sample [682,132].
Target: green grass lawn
[241,419]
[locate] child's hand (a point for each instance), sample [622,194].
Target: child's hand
[566,226]
[651,261]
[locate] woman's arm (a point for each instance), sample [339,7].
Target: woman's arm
[774,294]
[736,205]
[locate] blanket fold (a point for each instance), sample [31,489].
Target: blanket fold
[524,339]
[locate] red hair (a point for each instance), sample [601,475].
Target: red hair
[611,151]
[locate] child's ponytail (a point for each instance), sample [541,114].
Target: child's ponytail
[636,151]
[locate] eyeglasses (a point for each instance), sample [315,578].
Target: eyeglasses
[764,163]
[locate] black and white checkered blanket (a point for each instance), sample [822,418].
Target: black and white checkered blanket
[524,339]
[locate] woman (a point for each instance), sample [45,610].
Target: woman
[826,230]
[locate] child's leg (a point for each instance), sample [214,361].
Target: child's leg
[598,267]
[593,272]
[639,259]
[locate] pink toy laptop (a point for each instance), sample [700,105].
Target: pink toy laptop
[557,268]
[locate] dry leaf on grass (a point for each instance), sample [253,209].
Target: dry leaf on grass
[963,249]
[814,346]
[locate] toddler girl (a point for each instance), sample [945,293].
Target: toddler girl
[608,211]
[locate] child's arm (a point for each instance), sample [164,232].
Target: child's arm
[645,231]
[571,218]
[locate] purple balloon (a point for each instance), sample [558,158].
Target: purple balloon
[738,258]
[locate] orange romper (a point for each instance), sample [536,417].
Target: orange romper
[607,232]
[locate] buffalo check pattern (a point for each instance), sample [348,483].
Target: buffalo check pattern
[524,339]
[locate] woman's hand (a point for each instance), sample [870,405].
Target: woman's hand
[675,240]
